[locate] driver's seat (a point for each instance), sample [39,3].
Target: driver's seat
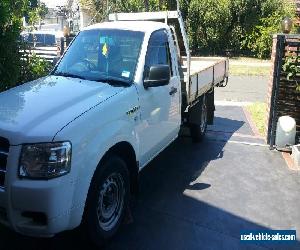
[112,64]
[115,61]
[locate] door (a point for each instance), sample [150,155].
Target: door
[160,106]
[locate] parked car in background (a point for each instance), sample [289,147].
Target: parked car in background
[42,43]
[41,38]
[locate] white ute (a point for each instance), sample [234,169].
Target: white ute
[72,143]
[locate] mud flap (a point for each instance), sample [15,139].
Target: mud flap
[210,107]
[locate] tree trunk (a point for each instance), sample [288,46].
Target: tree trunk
[146,5]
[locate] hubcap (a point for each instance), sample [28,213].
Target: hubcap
[203,116]
[111,201]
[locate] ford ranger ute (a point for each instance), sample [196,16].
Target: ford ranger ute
[72,143]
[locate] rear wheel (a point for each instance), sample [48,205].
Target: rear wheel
[198,130]
[107,200]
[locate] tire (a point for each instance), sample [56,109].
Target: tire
[198,131]
[107,200]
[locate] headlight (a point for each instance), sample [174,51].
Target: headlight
[45,160]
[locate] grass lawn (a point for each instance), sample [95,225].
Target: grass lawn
[248,59]
[249,66]
[258,112]
[238,70]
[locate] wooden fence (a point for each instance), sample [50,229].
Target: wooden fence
[283,98]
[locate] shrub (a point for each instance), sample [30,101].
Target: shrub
[292,68]
[13,69]
[34,67]
[258,38]
[10,28]
[208,22]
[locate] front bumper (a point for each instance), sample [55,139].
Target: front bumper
[40,208]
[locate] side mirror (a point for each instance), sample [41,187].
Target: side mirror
[55,60]
[159,75]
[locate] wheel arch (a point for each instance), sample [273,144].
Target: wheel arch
[125,151]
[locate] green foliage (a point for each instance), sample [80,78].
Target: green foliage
[208,23]
[214,26]
[34,67]
[11,13]
[292,68]
[13,69]
[99,9]
[236,25]
[37,13]
[259,40]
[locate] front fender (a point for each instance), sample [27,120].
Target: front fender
[92,135]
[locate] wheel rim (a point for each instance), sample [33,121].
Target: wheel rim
[203,116]
[111,201]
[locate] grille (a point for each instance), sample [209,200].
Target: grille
[4,148]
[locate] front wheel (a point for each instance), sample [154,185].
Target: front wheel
[107,200]
[198,130]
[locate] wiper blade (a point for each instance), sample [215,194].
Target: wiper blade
[114,81]
[66,74]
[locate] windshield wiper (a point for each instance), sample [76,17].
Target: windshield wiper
[114,81]
[66,74]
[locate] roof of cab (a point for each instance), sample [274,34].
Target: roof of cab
[143,26]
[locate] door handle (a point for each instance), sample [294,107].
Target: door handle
[173,91]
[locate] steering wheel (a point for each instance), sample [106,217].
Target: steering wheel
[89,64]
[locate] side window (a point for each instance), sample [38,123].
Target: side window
[158,52]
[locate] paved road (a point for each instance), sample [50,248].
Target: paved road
[199,196]
[244,89]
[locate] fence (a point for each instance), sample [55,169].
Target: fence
[63,43]
[283,99]
[47,53]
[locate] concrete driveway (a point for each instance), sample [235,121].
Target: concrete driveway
[200,196]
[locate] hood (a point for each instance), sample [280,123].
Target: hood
[37,110]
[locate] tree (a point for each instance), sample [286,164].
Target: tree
[258,36]
[11,13]
[13,69]
[239,25]
[243,26]
[99,9]
[208,22]
[36,14]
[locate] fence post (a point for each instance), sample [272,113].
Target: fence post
[60,43]
[277,56]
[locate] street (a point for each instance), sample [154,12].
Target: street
[244,88]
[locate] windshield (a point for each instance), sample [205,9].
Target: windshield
[102,55]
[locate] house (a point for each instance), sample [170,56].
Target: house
[63,13]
